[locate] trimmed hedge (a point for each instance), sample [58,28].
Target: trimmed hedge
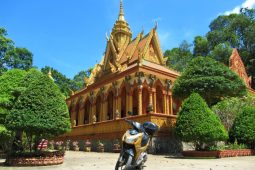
[244,127]
[198,124]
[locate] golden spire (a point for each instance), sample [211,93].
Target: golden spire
[121,15]
[121,32]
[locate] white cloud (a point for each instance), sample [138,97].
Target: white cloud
[247,4]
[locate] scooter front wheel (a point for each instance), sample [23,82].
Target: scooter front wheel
[124,165]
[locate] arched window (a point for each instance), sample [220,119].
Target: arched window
[98,108]
[159,95]
[135,101]
[123,102]
[110,106]
[86,111]
[145,94]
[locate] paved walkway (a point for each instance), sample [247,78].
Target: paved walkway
[106,161]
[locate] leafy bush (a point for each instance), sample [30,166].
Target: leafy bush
[41,111]
[244,127]
[230,146]
[198,124]
[211,79]
[229,108]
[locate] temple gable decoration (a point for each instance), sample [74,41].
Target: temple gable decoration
[236,65]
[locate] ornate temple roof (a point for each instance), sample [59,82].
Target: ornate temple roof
[122,52]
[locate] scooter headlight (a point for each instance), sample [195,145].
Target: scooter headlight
[131,139]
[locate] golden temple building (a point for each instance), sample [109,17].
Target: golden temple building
[131,81]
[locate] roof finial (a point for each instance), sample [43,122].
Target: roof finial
[121,15]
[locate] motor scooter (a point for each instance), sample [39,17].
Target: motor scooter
[135,143]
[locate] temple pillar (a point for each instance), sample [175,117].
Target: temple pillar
[154,95]
[127,105]
[165,102]
[114,106]
[119,104]
[92,113]
[170,104]
[72,115]
[104,110]
[130,103]
[140,100]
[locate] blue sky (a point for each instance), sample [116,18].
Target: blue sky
[70,35]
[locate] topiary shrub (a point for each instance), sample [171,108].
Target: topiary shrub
[211,79]
[198,124]
[40,111]
[244,127]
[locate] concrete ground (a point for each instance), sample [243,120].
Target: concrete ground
[106,161]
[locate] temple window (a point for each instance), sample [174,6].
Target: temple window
[110,106]
[159,98]
[86,112]
[135,102]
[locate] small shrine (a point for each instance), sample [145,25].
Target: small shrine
[236,65]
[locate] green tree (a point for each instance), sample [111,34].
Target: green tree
[222,53]
[198,124]
[211,79]
[11,56]
[201,47]
[40,111]
[19,58]
[178,58]
[5,45]
[79,79]
[11,84]
[244,127]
